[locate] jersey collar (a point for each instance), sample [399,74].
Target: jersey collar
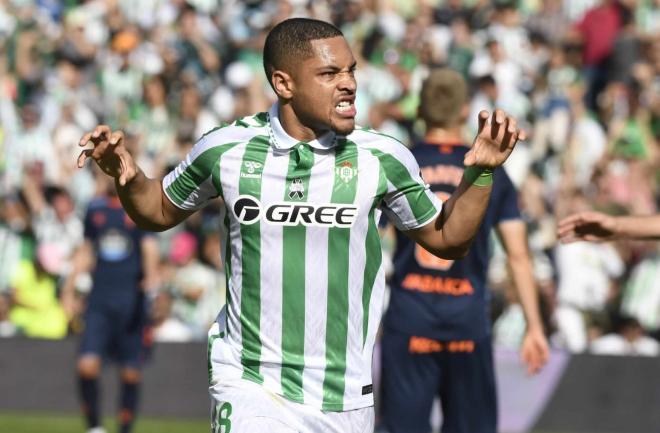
[282,141]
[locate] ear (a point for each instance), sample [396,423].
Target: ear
[465,112]
[283,84]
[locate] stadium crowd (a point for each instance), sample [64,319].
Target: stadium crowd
[583,76]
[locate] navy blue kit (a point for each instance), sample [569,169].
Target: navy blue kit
[436,333]
[116,318]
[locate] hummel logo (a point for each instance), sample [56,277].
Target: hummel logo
[251,167]
[296,189]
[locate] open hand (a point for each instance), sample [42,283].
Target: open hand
[109,152]
[587,226]
[534,351]
[495,140]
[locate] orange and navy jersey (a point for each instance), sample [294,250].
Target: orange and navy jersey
[116,241]
[447,300]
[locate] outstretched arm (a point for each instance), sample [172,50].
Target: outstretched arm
[534,350]
[142,198]
[451,234]
[598,227]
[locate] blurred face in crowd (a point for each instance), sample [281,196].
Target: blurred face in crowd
[63,206]
[188,23]
[69,75]
[29,116]
[14,214]
[190,103]
[154,92]
[322,87]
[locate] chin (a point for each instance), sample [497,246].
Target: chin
[344,127]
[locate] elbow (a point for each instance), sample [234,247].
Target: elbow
[150,226]
[457,253]
[451,253]
[153,227]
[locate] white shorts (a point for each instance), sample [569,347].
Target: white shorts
[241,406]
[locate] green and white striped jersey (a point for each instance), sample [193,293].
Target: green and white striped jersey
[302,253]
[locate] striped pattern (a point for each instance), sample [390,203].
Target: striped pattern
[305,291]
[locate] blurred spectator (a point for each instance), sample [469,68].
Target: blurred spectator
[197,289]
[27,141]
[550,22]
[14,237]
[641,294]
[53,221]
[628,340]
[585,285]
[167,328]
[36,309]
[7,328]
[154,123]
[597,31]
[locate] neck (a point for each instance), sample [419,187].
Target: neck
[293,126]
[445,135]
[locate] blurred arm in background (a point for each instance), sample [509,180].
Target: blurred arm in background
[598,227]
[534,350]
[150,264]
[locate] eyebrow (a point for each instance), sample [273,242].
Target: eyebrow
[336,68]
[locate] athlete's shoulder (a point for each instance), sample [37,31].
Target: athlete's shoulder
[446,154]
[369,138]
[243,129]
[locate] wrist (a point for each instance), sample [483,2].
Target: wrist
[478,176]
[130,181]
[534,327]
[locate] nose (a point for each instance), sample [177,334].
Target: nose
[348,82]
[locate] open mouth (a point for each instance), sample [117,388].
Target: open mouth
[346,109]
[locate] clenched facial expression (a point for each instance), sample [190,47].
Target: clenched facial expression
[324,87]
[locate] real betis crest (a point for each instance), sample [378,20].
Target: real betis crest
[345,171]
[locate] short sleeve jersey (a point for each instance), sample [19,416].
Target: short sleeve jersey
[116,241]
[301,249]
[447,300]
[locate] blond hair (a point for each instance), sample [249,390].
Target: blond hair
[444,93]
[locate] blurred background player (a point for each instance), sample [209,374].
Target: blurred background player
[437,339]
[122,260]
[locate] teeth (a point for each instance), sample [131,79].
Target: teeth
[344,105]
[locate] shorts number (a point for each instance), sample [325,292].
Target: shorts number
[222,423]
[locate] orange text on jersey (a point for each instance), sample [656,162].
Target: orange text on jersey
[439,285]
[428,345]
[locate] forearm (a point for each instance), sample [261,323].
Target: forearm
[150,264]
[462,215]
[450,236]
[523,280]
[639,227]
[142,198]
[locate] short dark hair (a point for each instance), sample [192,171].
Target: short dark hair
[289,42]
[444,93]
